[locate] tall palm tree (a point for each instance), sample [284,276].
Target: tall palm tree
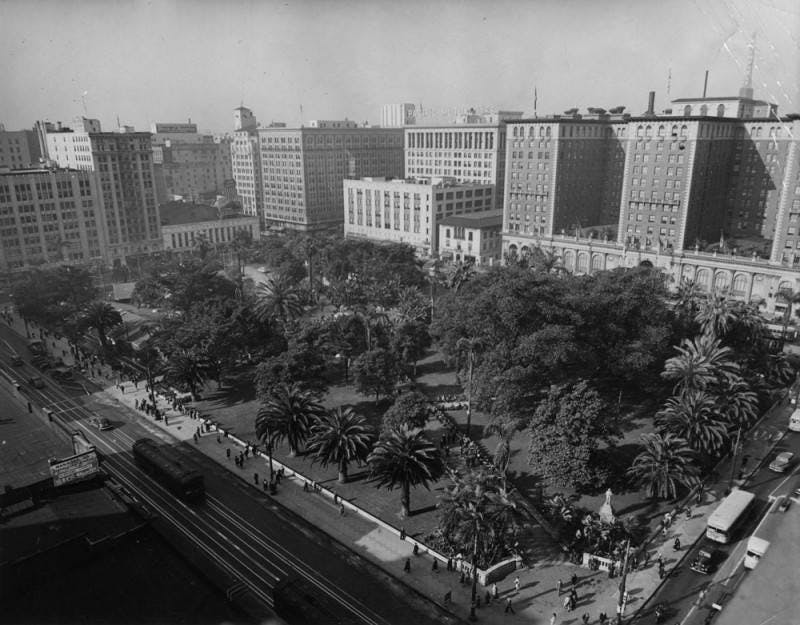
[738,404]
[665,464]
[693,415]
[341,437]
[288,414]
[101,316]
[700,364]
[186,368]
[278,298]
[404,459]
[468,347]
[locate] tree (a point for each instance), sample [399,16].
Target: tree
[410,342]
[101,316]
[186,369]
[300,363]
[665,464]
[376,372]
[693,416]
[51,296]
[413,305]
[202,245]
[789,297]
[288,413]
[404,459]
[477,517]
[715,314]
[469,348]
[700,364]
[565,431]
[278,298]
[410,410]
[340,437]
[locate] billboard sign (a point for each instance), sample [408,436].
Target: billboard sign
[75,468]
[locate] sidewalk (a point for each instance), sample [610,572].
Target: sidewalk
[537,598]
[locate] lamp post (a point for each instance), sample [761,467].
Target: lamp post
[734,454]
[472,616]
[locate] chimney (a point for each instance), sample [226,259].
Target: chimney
[651,103]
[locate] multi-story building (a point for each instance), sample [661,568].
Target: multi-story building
[18,148]
[408,211]
[246,161]
[192,164]
[398,115]
[472,236]
[474,153]
[123,164]
[184,223]
[49,215]
[302,170]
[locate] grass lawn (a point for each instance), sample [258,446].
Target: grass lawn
[235,408]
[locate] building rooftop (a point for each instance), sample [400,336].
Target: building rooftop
[177,213]
[720,99]
[482,219]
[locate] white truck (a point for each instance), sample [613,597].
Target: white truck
[756,548]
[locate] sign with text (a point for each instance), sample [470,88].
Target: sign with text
[75,468]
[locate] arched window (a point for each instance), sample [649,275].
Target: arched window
[687,110]
[648,132]
[721,110]
[702,279]
[703,110]
[583,263]
[530,132]
[740,285]
[569,259]
[684,130]
[661,131]
[639,131]
[547,131]
[721,281]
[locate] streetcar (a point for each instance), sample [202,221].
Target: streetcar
[170,468]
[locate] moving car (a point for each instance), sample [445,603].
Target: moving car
[36,382]
[101,423]
[704,561]
[781,462]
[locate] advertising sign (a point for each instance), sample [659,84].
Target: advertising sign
[75,468]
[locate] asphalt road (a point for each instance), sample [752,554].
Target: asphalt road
[680,593]
[253,543]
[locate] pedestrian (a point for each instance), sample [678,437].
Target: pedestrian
[660,570]
[558,587]
[495,591]
[402,533]
[488,597]
[664,532]
[677,544]
[219,440]
[574,580]
[435,566]
[553,619]
[407,565]
[166,420]
[688,512]
[516,584]
[194,436]
[461,578]
[573,595]
[341,512]
[415,550]
[305,487]
[509,607]
[228,453]
[603,618]
[585,619]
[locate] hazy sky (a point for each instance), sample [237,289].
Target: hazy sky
[169,60]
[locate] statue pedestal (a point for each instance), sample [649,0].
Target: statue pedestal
[607,514]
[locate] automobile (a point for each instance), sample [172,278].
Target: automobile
[797,492]
[36,381]
[784,505]
[41,362]
[61,373]
[781,462]
[262,270]
[16,360]
[101,423]
[704,561]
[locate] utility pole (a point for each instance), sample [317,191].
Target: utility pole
[622,584]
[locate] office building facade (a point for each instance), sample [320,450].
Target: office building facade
[409,210]
[472,236]
[122,161]
[49,215]
[398,115]
[246,161]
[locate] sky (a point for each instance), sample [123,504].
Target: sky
[171,60]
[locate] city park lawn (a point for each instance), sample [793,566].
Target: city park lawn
[235,409]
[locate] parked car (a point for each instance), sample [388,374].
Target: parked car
[61,373]
[781,462]
[36,381]
[41,362]
[101,423]
[16,360]
[784,506]
[705,561]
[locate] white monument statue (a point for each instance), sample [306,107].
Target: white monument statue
[606,510]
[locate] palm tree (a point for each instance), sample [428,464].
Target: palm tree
[202,245]
[546,261]
[477,515]
[404,459]
[687,295]
[101,316]
[693,415]
[341,437]
[186,368]
[700,364]
[278,298]
[287,413]
[470,347]
[716,314]
[370,317]
[790,298]
[665,463]
[738,404]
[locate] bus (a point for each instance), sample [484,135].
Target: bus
[724,521]
[170,468]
